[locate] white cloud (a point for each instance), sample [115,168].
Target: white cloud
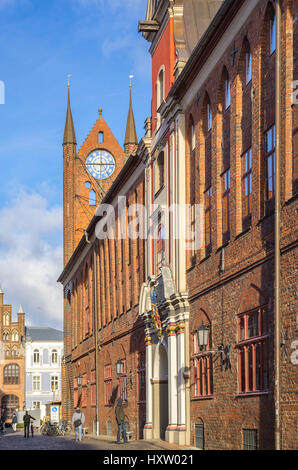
[31,258]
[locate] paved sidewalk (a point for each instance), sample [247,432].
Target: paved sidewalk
[16,441]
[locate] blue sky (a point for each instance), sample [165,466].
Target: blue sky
[40,43]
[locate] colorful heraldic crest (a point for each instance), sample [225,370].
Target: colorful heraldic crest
[155,315]
[100,164]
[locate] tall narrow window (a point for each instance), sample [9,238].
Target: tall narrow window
[54,357]
[92,198]
[270,164]
[208,206]
[54,383]
[226,191]
[159,172]
[273,34]
[86,303]
[160,246]
[100,137]
[248,66]
[36,383]
[246,189]
[209,117]
[227,93]
[108,384]
[142,376]
[36,357]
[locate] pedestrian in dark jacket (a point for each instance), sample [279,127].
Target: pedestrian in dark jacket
[120,416]
[27,419]
[3,420]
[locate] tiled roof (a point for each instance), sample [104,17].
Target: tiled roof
[39,333]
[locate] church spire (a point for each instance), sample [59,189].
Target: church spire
[131,138]
[69,132]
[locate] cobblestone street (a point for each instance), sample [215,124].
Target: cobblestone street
[16,441]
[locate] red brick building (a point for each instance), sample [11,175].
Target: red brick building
[224,115]
[12,360]
[102,279]
[228,92]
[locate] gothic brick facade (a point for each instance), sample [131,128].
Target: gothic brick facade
[12,360]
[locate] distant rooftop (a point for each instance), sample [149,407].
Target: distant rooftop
[43,333]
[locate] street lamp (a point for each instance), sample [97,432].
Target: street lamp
[119,368]
[203,333]
[79,381]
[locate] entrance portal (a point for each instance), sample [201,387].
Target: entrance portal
[160,395]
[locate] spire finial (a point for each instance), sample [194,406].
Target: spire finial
[68,79]
[131,139]
[100,112]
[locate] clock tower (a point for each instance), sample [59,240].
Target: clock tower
[87,175]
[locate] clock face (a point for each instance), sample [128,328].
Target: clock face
[100,164]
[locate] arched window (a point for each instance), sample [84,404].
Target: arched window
[5,336]
[6,319]
[86,301]
[92,198]
[54,356]
[15,336]
[100,137]
[227,92]
[272,32]
[205,170]
[36,356]
[159,172]
[248,65]
[11,374]
[160,88]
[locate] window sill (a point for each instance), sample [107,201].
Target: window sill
[205,259]
[224,245]
[159,191]
[252,394]
[292,199]
[244,232]
[265,217]
[209,397]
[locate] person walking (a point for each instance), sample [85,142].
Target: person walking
[120,416]
[14,421]
[27,420]
[78,419]
[3,420]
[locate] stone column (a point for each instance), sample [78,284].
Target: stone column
[172,383]
[149,398]
[181,384]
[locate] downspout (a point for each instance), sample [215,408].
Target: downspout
[277,229]
[96,335]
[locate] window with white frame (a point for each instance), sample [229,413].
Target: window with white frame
[36,383]
[36,356]
[54,356]
[36,405]
[54,382]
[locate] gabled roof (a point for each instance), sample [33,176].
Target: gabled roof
[40,333]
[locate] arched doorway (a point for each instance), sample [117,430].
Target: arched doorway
[9,404]
[160,392]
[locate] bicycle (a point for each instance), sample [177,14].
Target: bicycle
[48,429]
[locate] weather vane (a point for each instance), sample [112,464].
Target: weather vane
[130,79]
[68,79]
